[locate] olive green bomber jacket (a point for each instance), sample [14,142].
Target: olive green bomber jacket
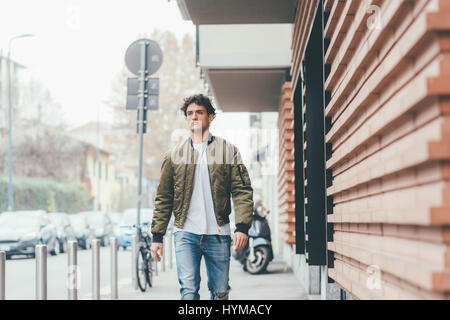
[228,176]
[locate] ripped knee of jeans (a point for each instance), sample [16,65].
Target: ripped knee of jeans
[221,295]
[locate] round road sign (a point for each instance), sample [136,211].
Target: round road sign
[154,57]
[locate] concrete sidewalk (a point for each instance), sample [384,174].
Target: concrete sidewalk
[278,283]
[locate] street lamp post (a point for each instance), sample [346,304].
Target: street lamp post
[10,187]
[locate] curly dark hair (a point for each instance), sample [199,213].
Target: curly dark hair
[201,100]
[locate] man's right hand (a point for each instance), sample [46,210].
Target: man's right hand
[157,250]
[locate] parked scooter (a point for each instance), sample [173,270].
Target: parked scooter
[255,257]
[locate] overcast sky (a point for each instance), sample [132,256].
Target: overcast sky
[79,45]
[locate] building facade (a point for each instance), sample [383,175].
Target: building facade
[112,185]
[364,134]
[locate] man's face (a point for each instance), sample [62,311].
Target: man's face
[197,118]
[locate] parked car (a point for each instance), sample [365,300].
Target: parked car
[83,232]
[127,225]
[102,225]
[21,231]
[64,229]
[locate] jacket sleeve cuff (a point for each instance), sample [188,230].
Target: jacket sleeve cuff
[157,237]
[242,227]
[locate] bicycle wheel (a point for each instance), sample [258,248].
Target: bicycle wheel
[142,269]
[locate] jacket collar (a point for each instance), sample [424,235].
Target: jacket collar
[210,139]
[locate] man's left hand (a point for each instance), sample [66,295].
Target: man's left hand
[239,241]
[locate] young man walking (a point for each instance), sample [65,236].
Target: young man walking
[197,178]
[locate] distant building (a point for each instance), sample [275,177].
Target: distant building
[93,168]
[117,182]
[100,178]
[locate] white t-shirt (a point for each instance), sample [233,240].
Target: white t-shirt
[201,218]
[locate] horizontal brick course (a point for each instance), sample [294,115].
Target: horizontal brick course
[286,185]
[421,275]
[373,285]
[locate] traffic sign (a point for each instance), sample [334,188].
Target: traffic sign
[151,86]
[133,56]
[151,103]
[151,93]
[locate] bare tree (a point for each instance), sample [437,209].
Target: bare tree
[39,149]
[49,153]
[38,106]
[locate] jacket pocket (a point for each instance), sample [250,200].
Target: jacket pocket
[178,191]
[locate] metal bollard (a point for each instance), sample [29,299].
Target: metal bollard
[134,240]
[41,272]
[2,275]
[114,267]
[163,260]
[72,273]
[96,269]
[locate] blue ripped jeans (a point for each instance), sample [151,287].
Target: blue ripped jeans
[189,249]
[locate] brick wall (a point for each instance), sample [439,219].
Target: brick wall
[286,184]
[389,89]
[387,86]
[302,27]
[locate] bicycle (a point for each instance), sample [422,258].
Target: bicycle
[144,258]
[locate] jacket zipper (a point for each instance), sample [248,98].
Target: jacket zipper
[242,178]
[184,186]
